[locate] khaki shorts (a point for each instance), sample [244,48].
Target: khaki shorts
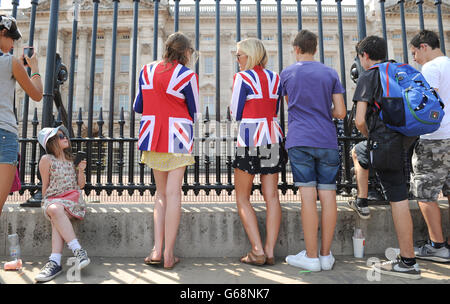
[431,169]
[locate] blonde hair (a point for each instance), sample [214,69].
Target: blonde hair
[255,51]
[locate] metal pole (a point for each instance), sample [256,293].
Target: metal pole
[15,4]
[47,108]
[299,14]
[402,20]
[346,148]
[23,150]
[218,142]
[196,127]
[238,26]
[320,26]
[441,27]
[420,8]
[91,93]
[361,19]
[341,47]
[258,19]
[383,24]
[177,15]
[112,86]
[133,94]
[155,29]
[280,68]
[197,32]
[76,16]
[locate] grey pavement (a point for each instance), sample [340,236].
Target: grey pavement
[347,270]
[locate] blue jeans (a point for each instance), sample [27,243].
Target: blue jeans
[314,167]
[9,147]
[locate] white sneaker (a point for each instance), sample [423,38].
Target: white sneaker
[327,262]
[303,261]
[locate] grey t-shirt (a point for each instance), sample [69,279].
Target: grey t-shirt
[7,86]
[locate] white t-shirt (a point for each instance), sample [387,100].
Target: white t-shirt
[437,74]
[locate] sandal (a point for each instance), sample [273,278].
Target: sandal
[270,261]
[149,261]
[253,259]
[176,261]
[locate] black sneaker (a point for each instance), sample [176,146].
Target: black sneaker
[400,269]
[82,258]
[361,207]
[48,272]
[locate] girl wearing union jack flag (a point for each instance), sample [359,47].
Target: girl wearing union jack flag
[168,101]
[255,103]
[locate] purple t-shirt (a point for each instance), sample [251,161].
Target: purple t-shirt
[309,86]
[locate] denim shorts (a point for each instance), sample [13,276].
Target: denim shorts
[314,167]
[9,147]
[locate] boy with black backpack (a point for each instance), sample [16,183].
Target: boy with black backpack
[385,152]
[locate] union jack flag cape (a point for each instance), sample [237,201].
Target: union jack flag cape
[168,100]
[255,104]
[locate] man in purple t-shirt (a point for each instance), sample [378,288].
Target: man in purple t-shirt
[314,95]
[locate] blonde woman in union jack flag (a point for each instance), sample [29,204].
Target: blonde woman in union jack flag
[168,101]
[255,103]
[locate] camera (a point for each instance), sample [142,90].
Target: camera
[27,52]
[61,73]
[80,156]
[356,69]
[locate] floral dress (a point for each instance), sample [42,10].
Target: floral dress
[63,189]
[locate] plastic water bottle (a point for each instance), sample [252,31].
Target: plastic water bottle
[14,246]
[14,251]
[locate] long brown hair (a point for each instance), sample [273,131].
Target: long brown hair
[53,146]
[175,49]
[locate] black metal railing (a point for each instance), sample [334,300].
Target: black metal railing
[113,157]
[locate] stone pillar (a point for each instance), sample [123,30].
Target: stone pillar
[82,72]
[60,44]
[161,40]
[107,72]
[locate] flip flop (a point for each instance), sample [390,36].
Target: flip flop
[149,261]
[253,259]
[176,261]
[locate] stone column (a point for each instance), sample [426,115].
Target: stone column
[82,72]
[107,71]
[60,44]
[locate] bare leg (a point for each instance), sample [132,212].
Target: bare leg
[273,217]
[310,219]
[403,227]
[243,185]
[329,217]
[159,213]
[61,222]
[6,180]
[57,240]
[432,215]
[362,177]
[173,213]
